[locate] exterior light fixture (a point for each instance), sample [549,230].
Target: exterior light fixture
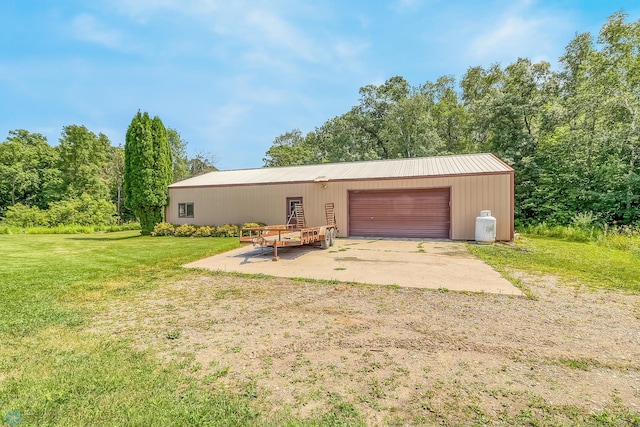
[323,180]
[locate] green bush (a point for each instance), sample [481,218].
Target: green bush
[204,231]
[163,229]
[227,230]
[583,220]
[253,224]
[23,216]
[185,230]
[82,211]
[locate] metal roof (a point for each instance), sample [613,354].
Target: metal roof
[465,164]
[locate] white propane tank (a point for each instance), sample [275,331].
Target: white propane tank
[485,228]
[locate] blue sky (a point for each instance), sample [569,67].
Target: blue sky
[232,75]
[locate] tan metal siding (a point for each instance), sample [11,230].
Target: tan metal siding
[237,205]
[267,203]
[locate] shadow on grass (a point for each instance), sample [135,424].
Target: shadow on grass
[104,239]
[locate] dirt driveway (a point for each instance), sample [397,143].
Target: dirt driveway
[406,263]
[400,356]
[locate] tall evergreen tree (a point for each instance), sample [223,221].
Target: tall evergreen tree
[147,170]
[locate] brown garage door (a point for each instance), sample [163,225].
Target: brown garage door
[400,213]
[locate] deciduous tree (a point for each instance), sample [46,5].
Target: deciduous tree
[84,160]
[289,149]
[202,163]
[29,171]
[178,155]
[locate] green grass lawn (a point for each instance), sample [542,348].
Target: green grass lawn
[41,275]
[54,372]
[581,264]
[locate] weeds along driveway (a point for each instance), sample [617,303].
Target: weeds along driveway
[406,263]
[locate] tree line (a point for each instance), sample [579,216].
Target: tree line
[79,181]
[572,134]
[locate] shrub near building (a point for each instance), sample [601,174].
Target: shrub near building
[205,231]
[189,230]
[163,229]
[185,230]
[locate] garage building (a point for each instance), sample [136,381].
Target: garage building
[429,197]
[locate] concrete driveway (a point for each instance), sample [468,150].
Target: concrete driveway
[407,263]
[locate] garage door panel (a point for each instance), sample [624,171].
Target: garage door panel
[402,213]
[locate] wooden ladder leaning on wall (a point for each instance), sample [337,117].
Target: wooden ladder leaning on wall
[299,215]
[331,215]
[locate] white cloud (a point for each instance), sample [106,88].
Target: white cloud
[513,33]
[86,27]
[522,31]
[267,28]
[267,31]
[228,116]
[141,10]
[263,59]
[348,49]
[403,5]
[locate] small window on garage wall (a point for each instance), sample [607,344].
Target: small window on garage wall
[185,210]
